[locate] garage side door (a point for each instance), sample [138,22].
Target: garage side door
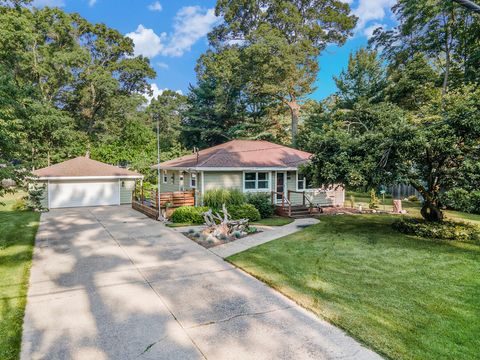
[83,193]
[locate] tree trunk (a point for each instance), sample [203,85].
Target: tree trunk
[295,111]
[431,211]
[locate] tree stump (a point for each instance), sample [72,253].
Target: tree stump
[397,206]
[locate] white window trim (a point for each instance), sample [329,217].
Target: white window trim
[304,181]
[192,176]
[165,177]
[267,189]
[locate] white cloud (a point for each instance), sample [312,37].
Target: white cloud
[191,23]
[162,65]
[156,91]
[92,2]
[369,10]
[49,3]
[368,31]
[147,43]
[156,6]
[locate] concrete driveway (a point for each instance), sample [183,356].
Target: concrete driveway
[109,283]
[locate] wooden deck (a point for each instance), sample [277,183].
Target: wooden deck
[146,202]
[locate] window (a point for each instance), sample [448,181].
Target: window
[304,182]
[165,177]
[193,180]
[173,178]
[256,181]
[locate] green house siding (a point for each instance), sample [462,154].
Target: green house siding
[175,183]
[126,189]
[223,180]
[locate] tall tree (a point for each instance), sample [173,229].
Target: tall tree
[364,79]
[282,40]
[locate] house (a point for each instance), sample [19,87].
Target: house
[249,166]
[85,182]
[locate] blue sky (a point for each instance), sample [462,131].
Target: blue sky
[173,34]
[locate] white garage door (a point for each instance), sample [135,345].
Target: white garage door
[83,193]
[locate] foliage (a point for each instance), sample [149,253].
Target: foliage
[67,86]
[216,198]
[352,201]
[189,214]
[262,202]
[244,211]
[19,205]
[364,79]
[446,230]
[280,46]
[382,144]
[462,200]
[374,201]
[344,266]
[36,193]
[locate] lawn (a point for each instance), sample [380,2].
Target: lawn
[404,297]
[17,233]
[274,221]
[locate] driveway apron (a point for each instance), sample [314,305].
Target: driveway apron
[109,283]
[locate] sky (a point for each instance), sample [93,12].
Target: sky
[172,34]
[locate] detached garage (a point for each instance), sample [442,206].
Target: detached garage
[86,182]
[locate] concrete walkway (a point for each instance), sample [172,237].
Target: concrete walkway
[273,233]
[109,283]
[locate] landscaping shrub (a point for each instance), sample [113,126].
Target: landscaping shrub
[413,198]
[189,214]
[374,202]
[244,211]
[20,205]
[456,199]
[446,230]
[462,200]
[215,198]
[262,202]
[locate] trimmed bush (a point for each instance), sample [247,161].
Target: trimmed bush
[245,211]
[445,230]
[262,202]
[462,200]
[189,214]
[215,198]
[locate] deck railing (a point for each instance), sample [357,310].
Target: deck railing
[147,201]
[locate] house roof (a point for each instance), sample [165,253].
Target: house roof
[84,167]
[241,154]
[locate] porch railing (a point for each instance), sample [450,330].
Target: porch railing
[285,202]
[305,199]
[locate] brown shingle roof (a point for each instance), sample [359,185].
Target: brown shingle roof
[241,154]
[83,166]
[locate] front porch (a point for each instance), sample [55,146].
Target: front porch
[147,201]
[300,204]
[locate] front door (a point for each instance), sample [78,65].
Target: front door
[280,185]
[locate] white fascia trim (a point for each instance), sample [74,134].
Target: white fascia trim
[87,177]
[260,169]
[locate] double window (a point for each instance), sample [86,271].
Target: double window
[304,182]
[256,181]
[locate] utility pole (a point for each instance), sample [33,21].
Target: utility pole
[160,216]
[470,5]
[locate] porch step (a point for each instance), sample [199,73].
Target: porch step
[298,211]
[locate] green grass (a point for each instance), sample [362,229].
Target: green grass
[404,297]
[274,221]
[175,225]
[17,234]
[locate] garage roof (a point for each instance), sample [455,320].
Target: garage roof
[84,167]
